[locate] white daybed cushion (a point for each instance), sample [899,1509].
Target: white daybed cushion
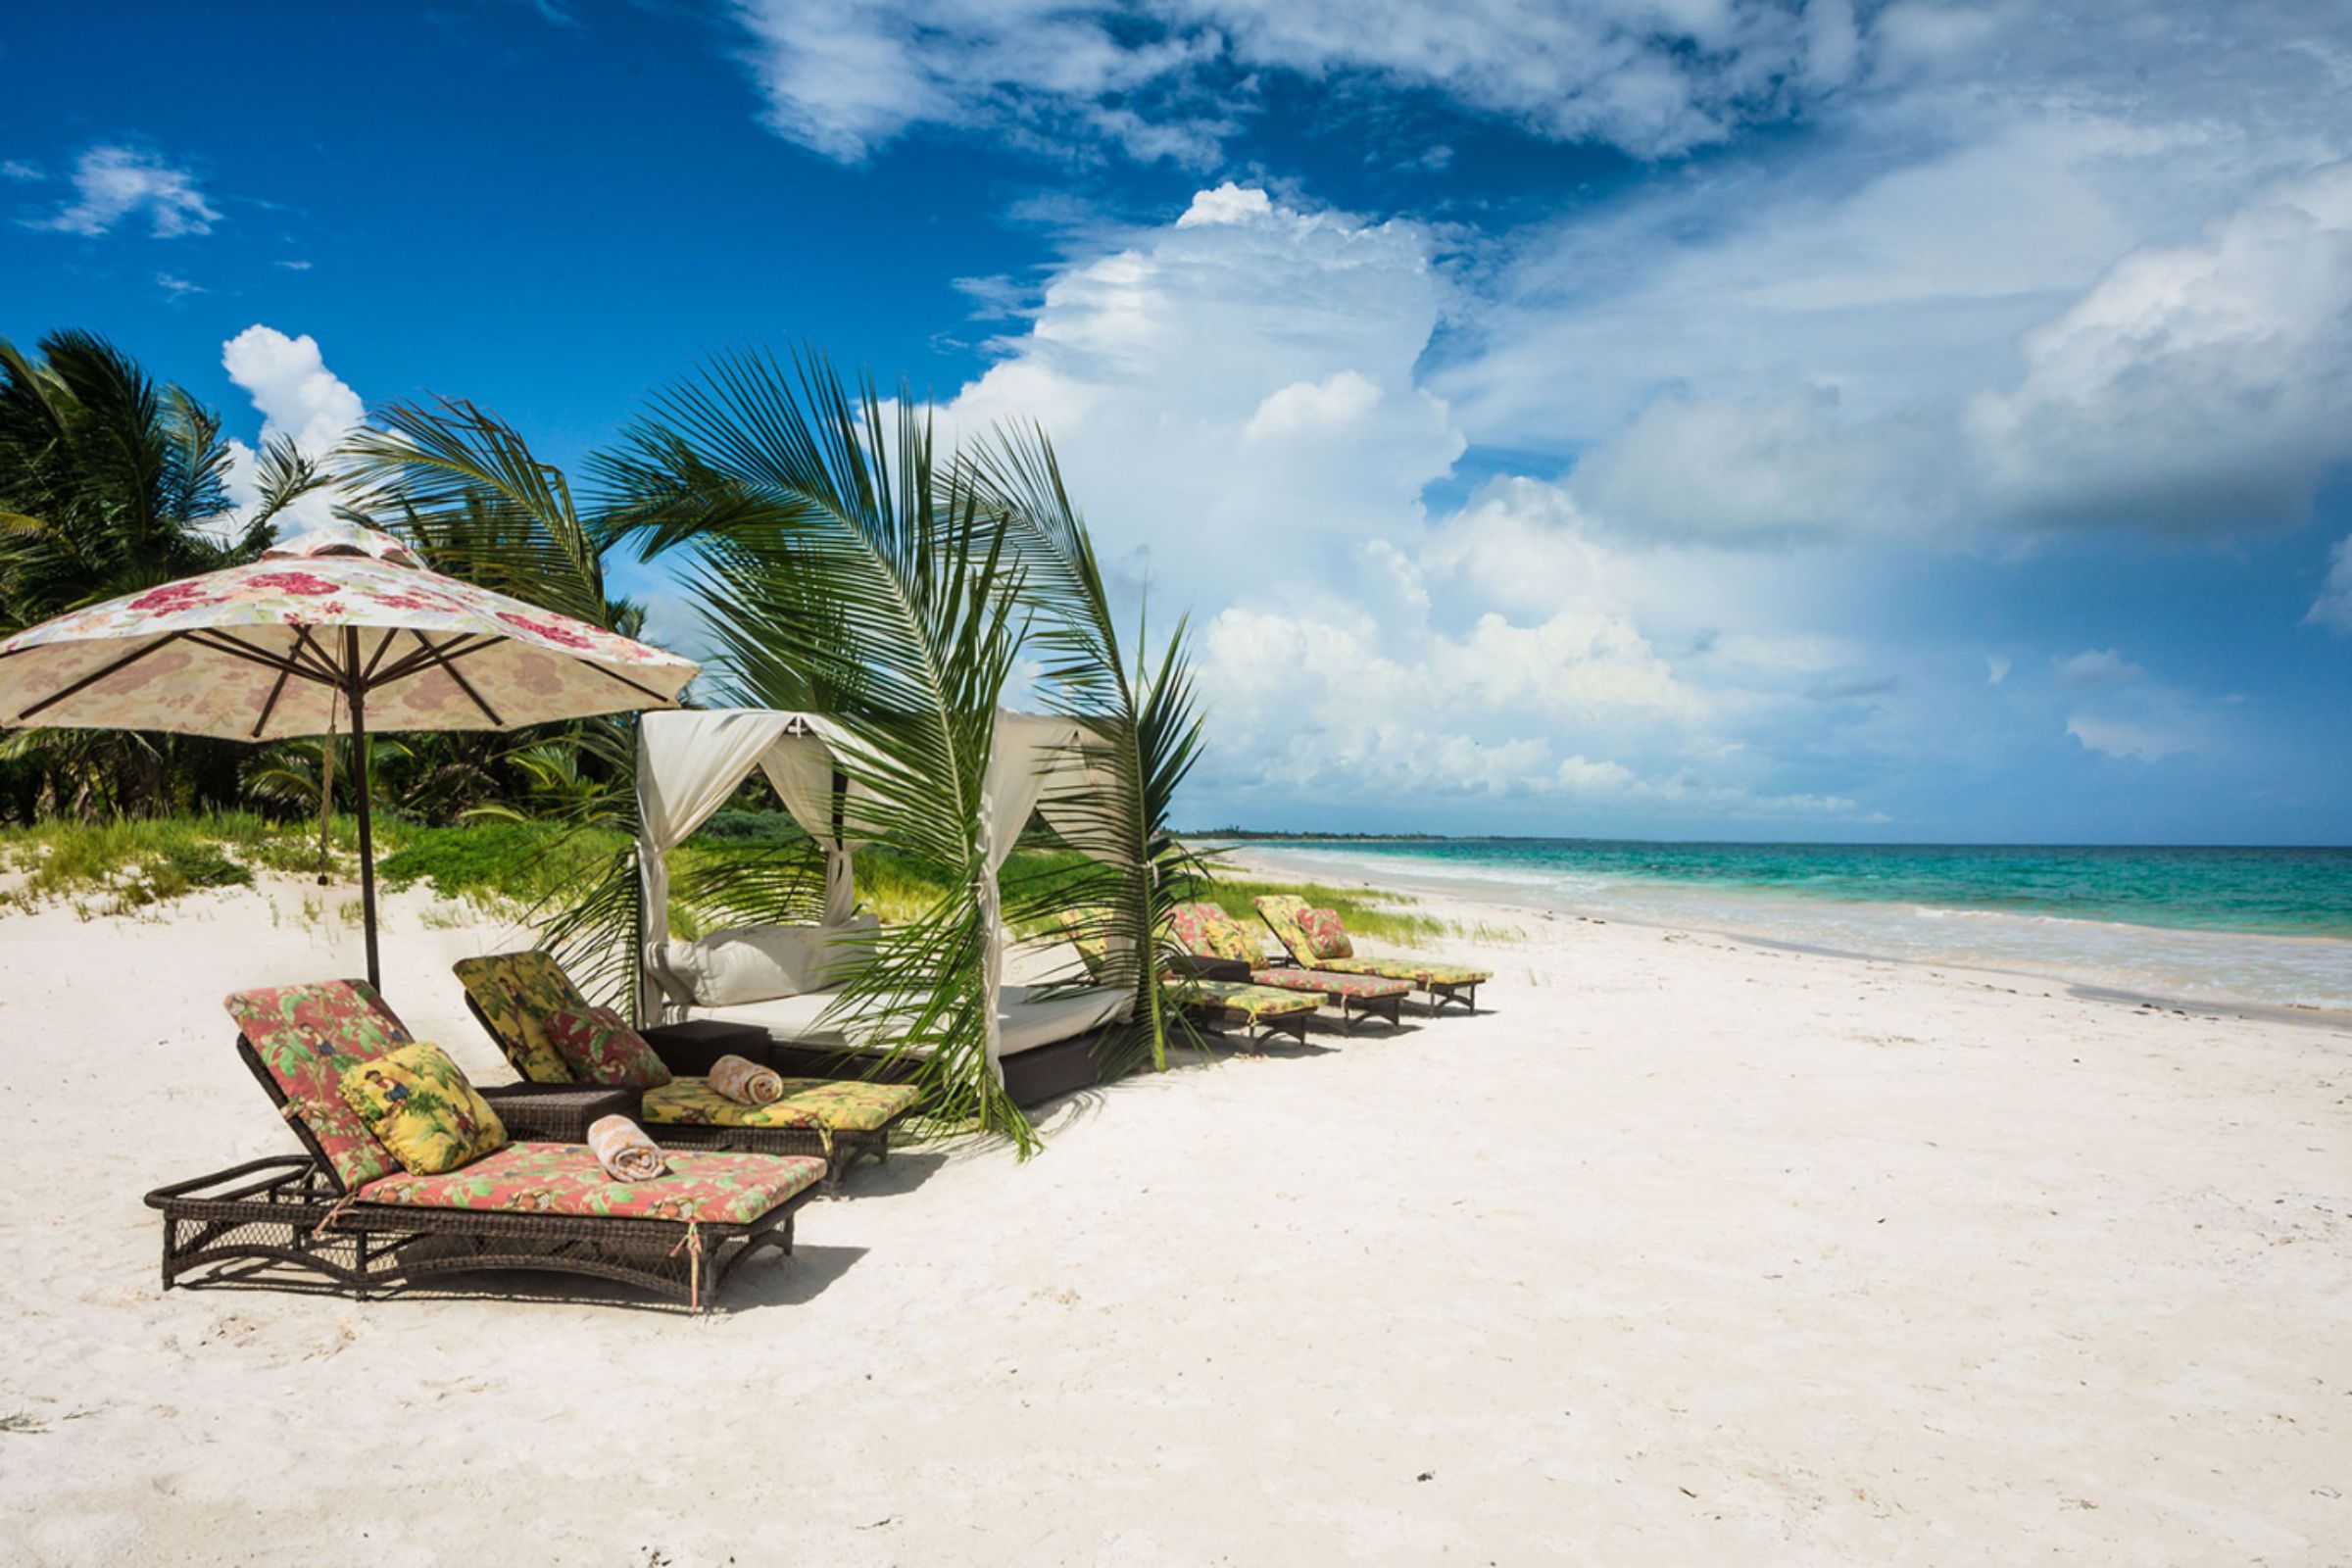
[752,964]
[1023,1024]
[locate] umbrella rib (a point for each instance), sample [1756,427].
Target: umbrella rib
[97,675]
[408,664]
[446,662]
[326,667]
[614,674]
[368,674]
[277,688]
[211,637]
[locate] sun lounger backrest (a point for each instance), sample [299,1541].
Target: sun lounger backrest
[305,1036]
[1281,912]
[514,994]
[1208,932]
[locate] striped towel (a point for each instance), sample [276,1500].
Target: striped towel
[745,1082]
[620,1146]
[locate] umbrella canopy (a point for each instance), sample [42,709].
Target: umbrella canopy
[338,628]
[264,650]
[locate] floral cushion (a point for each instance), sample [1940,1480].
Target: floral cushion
[421,1107]
[599,1047]
[307,1036]
[1253,1002]
[518,992]
[1412,970]
[1324,935]
[1330,983]
[1208,932]
[1281,912]
[566,1179]
[830,1104]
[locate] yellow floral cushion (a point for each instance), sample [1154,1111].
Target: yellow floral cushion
[835,1104]
[421,1107]
[516,993]
[1208,932]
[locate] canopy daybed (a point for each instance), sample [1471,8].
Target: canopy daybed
[1040,1039]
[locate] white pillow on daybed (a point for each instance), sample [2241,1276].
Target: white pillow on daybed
[760,962]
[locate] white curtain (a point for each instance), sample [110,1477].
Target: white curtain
[819,795]
[688,763]
[1026,750]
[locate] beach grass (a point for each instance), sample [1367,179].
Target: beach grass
[512,867]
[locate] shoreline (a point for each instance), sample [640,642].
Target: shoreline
[1498,891]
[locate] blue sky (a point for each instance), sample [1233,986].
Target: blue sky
[1657,418]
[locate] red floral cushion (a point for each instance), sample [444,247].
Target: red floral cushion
[599,1047]
[1326,937]
[566,1179]
[308,1036]
[1330,984]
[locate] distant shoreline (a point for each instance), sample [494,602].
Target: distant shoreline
[2299,976]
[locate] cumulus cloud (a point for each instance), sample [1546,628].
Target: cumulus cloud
[1657,78]
[2195,388]
[299,399]
[1233,397]
[1955,323]
[115,185]
[1200,378]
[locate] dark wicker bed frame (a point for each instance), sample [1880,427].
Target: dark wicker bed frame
[247,1224]
[691,1057]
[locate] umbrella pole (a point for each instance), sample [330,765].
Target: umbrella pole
[359,782]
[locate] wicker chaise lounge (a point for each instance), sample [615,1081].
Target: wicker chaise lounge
[346,1213]
[838,1120]
[1218,998]
[1224,947]
[1316,940]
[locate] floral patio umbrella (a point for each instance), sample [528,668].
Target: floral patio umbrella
[339,626]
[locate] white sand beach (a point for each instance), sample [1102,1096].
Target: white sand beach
[1681,1252]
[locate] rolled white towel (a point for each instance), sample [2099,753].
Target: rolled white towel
[745,1082]
[620,1146]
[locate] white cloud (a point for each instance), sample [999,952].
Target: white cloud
[1657,78]
[2099,666]
[113,184]
[843,80]
[2195,388]
[2125,738]
[1196,372]
[17,168]
[1233,399]
[1997,669]
[176,287]
[299,399]
[1334,406]
[2333,606]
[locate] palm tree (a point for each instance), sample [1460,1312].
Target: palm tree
[1143,717]
[840,570]
[109,483]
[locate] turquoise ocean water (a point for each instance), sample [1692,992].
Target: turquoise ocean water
[2256,925]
